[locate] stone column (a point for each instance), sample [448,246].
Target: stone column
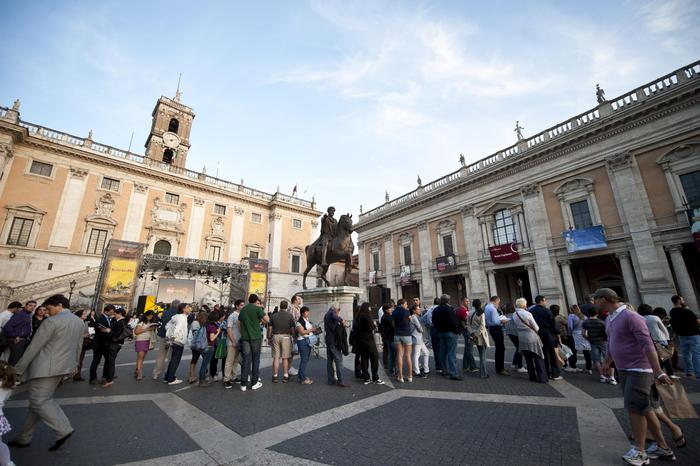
[6,158]
[549,283]
[470,227]
[275,241]
[136,212]
[569,287]
[491,274]
[68,211]
[438,287]
[675,193]
[631,198]
[534,289]
[194,235]
[236,239]
[362,269]
[628,277]
[426,262]
[685,285]
[389,265]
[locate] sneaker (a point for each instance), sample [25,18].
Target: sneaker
[676,377]
[257,385]
[558,378]
[569,369]
[399,379]
[603,379]
[612,381]
[522,370]
[366,382]
[243,388]
[589,371]
[425,375]
[656,452]
[175,382]
[293,371]
[228,385]
[410,379]
[636,457]
[378,382]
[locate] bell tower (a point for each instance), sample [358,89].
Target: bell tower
[169,140]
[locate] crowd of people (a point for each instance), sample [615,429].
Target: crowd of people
[635,347]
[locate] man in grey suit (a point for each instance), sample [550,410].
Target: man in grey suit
[52,354]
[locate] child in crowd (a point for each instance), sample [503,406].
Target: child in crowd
[7,383]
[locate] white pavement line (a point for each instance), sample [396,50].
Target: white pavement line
[279,434]
[217,440]
[268,457]
[489,398]
[191,458]
[93,400]
[602,439]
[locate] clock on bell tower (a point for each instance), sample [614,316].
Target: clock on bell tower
[169,140]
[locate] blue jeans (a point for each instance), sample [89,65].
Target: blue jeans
[305,355]
[334,355]
[251,362]
[448,356]
[468,361]
[206,359]
[435,342]
[390,350]
[175,357]
[690,347]
[482,362]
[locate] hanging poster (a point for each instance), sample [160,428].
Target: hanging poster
[116,284]
[585,239]
[504,253]
[446,263]
[257,278]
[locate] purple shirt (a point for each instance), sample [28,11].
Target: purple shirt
[19,325]
[629,340]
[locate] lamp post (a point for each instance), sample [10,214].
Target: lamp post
[269,295]
[519,282]
[72,287]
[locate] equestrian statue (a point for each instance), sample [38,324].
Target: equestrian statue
[333,245]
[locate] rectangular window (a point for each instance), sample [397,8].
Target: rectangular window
[407,254]
[447,245]
[296,263]
[296,223]
[214,253]
[219,209]
[254,254]
[20,231]
[41,168]
[171,198]
[255,217]
[581,214]
[110,184]
[375,261]
[96,243]
[691,188]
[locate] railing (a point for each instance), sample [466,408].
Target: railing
[36,289]
[84,143]
[616,105]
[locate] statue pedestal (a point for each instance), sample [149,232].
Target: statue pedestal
[319,300]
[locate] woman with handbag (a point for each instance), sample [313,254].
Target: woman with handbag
[143,335]
[479,335]
[575,326]
[659,335]
[306,339]
[530,343]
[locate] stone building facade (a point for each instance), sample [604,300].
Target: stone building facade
[627,170]
[64,197]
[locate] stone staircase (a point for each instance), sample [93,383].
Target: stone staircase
[84,281]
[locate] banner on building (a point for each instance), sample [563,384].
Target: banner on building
[504,253]
[695,229]
[257,278]
[119,272]
[405,276]
[446,263]
[372,277]
[585,239]
[170,289]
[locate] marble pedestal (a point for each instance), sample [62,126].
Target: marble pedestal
[319,300]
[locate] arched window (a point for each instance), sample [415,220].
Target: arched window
[162,247]
[168,156]
[174,125]
[504,228]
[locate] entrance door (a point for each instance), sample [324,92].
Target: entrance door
[411,291]
[454,286]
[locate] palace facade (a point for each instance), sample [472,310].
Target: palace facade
[63,197]
[604,199]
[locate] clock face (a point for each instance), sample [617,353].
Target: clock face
[171,140]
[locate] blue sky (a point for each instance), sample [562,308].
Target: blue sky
[345,99]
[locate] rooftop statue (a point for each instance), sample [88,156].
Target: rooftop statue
[519,130]
[599,94]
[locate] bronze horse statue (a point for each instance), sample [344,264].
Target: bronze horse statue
[340,249]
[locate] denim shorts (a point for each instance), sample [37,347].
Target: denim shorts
[598,352]
[405,340]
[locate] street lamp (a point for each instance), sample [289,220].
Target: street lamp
[519,282]
[269,295]
[72,287]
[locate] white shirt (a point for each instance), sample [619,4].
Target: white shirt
[307,326]
[4,317]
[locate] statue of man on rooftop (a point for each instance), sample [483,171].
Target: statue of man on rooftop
[599,94]
[461,159]
[519,130]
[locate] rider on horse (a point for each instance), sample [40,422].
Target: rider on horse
[329,226]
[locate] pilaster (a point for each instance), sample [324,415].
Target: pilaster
[426,261]
[68,211]
[389,265]
[471,230]
[685,284]
[194,235]
[628,277]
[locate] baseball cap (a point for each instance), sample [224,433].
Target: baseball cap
[605,293]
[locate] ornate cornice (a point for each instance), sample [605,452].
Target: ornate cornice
[529,190]
[422,226]
[78,172]
[140,187]
[619,161]
[674,248]
[238,211]
[467,210]
[199,201]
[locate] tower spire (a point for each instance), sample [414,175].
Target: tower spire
[177,92]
